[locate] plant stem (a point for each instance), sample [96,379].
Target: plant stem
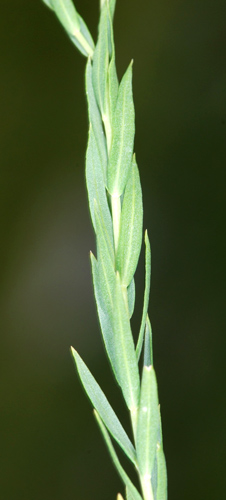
[116,216]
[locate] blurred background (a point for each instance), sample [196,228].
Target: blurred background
[50,445]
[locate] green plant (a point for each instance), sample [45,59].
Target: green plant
[115,200]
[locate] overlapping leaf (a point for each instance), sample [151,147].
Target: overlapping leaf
[130,236]
[161,493]
[95,119]
[148,354]
[131,294]
[105,318]
[146,294]
[100,61]
[148,422]
[127,368]
[112,81]
[121,151]
[96,190]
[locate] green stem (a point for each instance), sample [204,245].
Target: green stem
[116,216]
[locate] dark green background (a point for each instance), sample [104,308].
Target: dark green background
[50,446]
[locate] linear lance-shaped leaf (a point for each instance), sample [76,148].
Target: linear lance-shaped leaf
[105,318]
[112,86]
[161,474]
[148,422]
[146,294]
[101,404]
[96,190]
[105,254]
[112,80]
[95,118]
[125,478]
[131,293]
[127,367]
[148,352]
[123,126]
[130,235]
[100,61]
[111,6]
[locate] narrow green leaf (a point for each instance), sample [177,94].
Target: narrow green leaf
[130,236]
[101,404]
[111,6]
[148,353]
[112,72]
[148,423]
[106,287]
[73,24]
[95,118]
[115,324]
[125,478]
[103,314]
[162,475]
[96,191]
[105,253]
[154,477]
[146,294]
[112,86]
[131,293]
[160,436]
[127,367]
[154,473]
[100,61]
[122,137]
